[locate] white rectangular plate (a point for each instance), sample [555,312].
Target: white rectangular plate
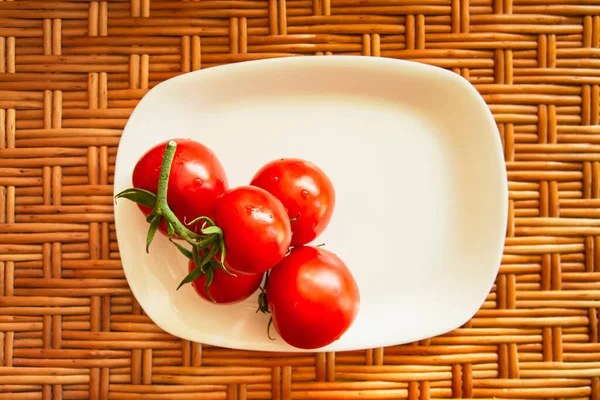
[416,161]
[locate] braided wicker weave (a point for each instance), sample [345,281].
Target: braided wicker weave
[71,73]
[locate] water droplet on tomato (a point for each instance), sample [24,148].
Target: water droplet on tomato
[276,178]
[305,195]
[197,182]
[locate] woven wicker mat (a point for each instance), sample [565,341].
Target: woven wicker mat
[71,73]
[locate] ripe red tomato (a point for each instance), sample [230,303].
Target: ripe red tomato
[305,191]
[313,297]
[225,288]
[197,177]
[256,229]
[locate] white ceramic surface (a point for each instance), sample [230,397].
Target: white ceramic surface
[417,164]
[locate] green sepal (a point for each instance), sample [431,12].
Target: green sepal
[152,231]
[206,220]
[211,254]
[212,230]
[210,274]
[197,259]
[223,251]
[183,250]
[191,277]
[205,242]
[200,262]
[170,229]
[139,196]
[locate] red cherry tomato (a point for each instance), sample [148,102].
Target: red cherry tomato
[196,179]
[256,229]
[225,288]
[305,191]
[313,297]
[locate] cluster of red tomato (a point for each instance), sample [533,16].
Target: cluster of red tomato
[242,236]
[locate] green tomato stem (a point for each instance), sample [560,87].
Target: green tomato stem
[162,207]
[165,170]
[211,240]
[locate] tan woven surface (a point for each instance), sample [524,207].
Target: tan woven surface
[70,74]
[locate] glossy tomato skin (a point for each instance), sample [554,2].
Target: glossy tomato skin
[197,177]
[256,229]
[226,289]
[313,297]
[305,191]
